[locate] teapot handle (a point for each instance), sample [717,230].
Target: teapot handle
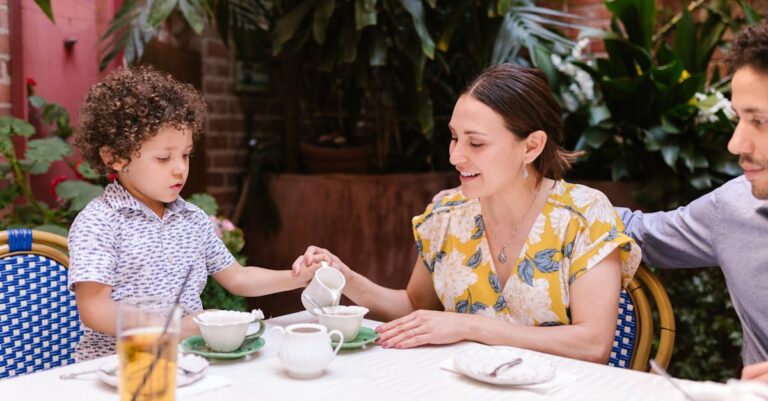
[341,340]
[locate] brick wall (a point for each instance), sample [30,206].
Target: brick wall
[5,58]
[224,141]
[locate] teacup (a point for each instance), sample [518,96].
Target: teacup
[325,288]
[346,319]
[225,331]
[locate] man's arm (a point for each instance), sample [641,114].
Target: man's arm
[676,239]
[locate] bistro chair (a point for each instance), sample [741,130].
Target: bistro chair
[39,324]
[635,327]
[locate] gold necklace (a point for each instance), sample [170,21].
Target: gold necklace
[502,256]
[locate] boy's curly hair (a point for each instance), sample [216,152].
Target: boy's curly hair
[129,107]
[750,49]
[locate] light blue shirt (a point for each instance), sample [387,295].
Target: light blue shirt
[727,227]
[118,241]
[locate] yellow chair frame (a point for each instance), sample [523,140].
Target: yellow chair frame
[642,286]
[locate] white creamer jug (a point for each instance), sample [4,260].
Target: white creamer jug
[306,350]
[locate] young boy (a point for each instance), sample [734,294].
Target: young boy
[139,238]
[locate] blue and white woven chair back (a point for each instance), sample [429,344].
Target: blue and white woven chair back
[626,330]
[39,324]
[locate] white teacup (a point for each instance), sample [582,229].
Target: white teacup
[225,331]
[325,288]
[346,319]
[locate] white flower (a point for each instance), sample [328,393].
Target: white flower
[452,277]
[559,220]
[433,231]
[534,236]
[462,224]
[529,305]
[711,103]
[598,208]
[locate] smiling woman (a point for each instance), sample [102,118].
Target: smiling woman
[518,249]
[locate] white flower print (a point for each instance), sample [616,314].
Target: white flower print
[559,220]
[452,277]
[528,305]
[558,189]
[534,236]
[487,312]
[601,253]
[462,224]
[598,208]
[432,230]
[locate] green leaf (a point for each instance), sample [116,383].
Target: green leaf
[86,171]
[287,26]
[194,13]
[379,50]
[701,181]
[670,154]
[619,169]
[45,6]
[54,228]
[6,146]
[36,101]
[8,195]
[425,112]
[415,8]
[365,13]
[638,18]
[160,11]
[221,14]
[5,168]
[750,15]
[596,137]
[78,193]
[12,125]
[348,44]
[320,19]
[685,41]
[503,6]
[206,202]
[42,152]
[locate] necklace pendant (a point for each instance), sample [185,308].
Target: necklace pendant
[502,255]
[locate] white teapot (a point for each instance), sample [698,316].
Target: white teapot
[306,349]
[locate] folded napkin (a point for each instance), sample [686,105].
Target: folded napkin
[560,380]
[733,390]
[206,384]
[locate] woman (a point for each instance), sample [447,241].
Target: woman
[518,257]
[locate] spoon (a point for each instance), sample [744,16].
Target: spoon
[508,364]
[314,303]
[663,373]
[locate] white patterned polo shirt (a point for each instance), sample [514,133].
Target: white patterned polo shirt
[118,241]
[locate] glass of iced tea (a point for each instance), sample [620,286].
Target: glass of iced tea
[147,340]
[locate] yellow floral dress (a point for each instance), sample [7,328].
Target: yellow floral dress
[575,230]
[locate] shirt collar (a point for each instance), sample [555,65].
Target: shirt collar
[119,198]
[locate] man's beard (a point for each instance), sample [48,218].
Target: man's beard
[759,193]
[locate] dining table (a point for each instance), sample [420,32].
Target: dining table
[368,373]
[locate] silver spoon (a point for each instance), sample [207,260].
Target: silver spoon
[663,373]
[314,303]
[504,365]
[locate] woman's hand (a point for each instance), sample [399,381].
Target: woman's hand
[313,257]
[757,371]
[423,327]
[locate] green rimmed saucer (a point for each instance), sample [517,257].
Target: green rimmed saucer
[196,345]
[364,336]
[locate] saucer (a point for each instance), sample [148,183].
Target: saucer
[196,345]
[364,336]
[108,371]
[477,364]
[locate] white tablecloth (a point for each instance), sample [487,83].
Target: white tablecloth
[367,374]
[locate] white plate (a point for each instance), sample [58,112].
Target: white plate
[108,371]
[477,364]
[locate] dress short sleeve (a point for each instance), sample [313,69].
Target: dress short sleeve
[602,234]
[91,243]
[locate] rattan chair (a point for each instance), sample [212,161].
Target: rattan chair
[39,324]
[635,327]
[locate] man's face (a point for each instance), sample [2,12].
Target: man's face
[750,139]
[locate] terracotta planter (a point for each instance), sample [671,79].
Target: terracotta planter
[363,219]
[320,159]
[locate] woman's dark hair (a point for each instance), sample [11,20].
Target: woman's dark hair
[521,96]
[130,106]
[750,49]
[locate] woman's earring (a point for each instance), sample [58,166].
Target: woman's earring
[525,172]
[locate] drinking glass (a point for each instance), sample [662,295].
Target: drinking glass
[147,341]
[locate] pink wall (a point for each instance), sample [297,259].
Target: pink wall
[63,76]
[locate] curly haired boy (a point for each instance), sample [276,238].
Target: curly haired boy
[140,238]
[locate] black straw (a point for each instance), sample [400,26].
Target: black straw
[160,347]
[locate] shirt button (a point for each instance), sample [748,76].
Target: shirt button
[170,259]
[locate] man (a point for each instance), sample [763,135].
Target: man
[728,227]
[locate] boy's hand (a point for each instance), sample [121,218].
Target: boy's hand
[757,371]
[312,260]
